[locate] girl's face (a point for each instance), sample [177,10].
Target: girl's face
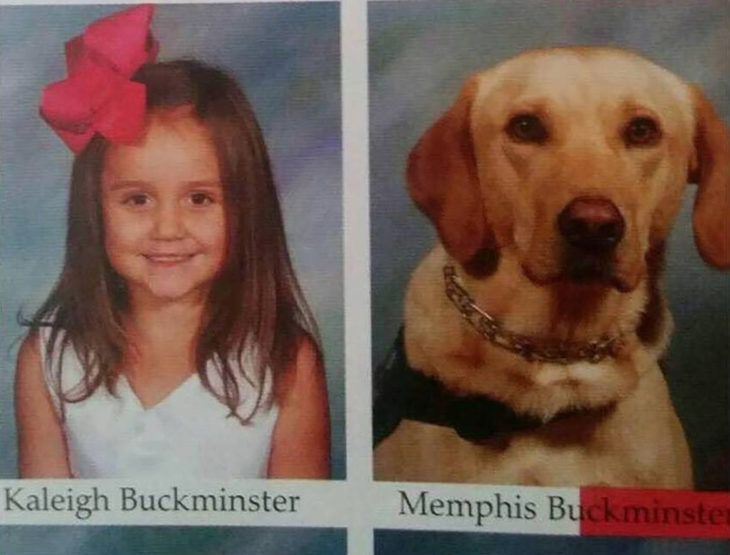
[164,219]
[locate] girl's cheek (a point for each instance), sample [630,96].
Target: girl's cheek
[213,224]
[121,223]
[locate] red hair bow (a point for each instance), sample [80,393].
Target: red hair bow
[98,95]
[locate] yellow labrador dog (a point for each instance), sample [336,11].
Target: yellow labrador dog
[534,328]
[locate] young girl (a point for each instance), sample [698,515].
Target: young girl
[176,341]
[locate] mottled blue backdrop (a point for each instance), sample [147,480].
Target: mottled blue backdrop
[420,54]
[285,55]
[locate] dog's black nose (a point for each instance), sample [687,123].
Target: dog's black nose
[591,223]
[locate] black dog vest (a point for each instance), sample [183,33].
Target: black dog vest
[400,391]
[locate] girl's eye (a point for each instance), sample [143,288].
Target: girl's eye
[642,131]
[137,199]
[201,199]
[527,128]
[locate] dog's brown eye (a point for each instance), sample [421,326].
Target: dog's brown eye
[527,128]
[642,131]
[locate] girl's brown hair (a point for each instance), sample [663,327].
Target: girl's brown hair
[254,302]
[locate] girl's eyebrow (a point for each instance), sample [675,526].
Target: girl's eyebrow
[205,183]
[138,183]
[127,184]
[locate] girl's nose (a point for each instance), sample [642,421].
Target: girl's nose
[169,221]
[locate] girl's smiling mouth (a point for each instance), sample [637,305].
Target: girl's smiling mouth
[168,258]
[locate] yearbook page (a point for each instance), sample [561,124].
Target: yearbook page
[364,277]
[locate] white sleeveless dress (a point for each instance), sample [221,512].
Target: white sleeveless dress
[188,434]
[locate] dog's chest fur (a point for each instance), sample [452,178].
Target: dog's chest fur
[595,449]
[588,450]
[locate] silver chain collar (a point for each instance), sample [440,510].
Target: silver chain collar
[530,348]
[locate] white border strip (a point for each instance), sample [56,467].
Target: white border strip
[354,44]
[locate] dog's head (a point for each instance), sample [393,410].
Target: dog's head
[575,159]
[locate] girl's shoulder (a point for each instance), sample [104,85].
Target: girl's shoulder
[34,352]
[46,353]
[30,380]
[305,370]
[29,355]
[33,367]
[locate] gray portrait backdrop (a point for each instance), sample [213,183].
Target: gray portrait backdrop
[170,540]
[391,542]
[286,57]
[420,54]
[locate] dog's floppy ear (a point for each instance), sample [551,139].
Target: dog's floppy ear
[711,171]
[443,181]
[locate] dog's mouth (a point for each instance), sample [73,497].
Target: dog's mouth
[582,268]
[592,269]
[585,274]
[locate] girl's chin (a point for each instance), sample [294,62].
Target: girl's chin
[168,293]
